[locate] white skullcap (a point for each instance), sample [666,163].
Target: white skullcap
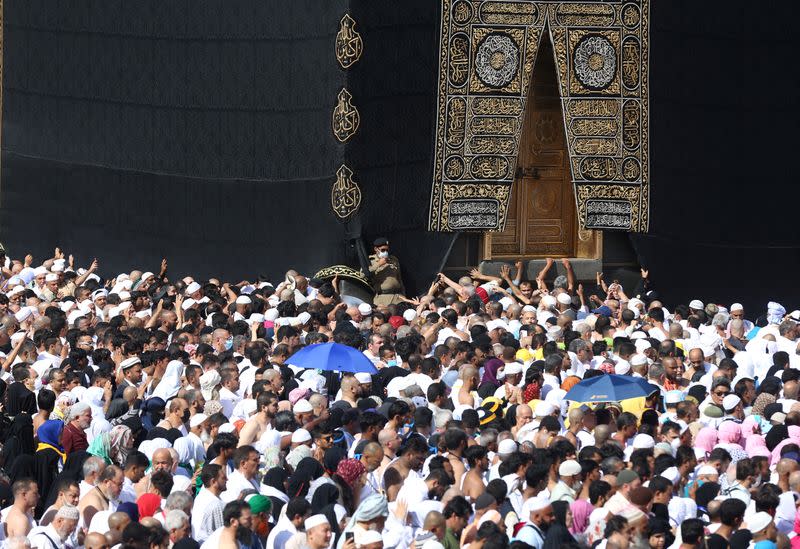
[730,402]
[99,523]
[23,314]
[315,520]
[534,504]
[409,315]
[549,300]
[226,428]
[506,302]
[66,306]
[507,446]
[51,277]
[671,474]
[631,513]
[208,381]
[197,419]
[365,309]
[128,362]
[271,314]
[569,468]
[16,337]
[368,537]
[696,304]
[736,307]
[188,303]
[69,512]
[643,440]
[707,470]
[564,298]
[642,345]
[257,318]
[243,300]
[39,271]
[300,436]
[512,368]
[622,367]
[124,295]
[638,360]
[529,309]
[363,378]
[304,317]
[192,288]
[302,406]
[637,335]
[495,324]
[16,290]
[73,316]
[543,409]
[758,522]
[99,293]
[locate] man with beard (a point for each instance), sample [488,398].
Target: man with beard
[207,513]
[405,467]
[104,496]
[371,457]
[569,484]
[478,461]
[260,508]
[178,415]
[267,406]
[539,513]
[245,459]
[235,533]
[73,438]
[57,532]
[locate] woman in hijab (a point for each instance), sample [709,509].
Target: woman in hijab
[171,381]
[307,471]
[19,440]
[730,434]
[558,532]
[371,515]
[275,486]
[489,382]
[113,446]
[325,495]
[706,439]
[73,470]
[49,458]
[776,435]
[659,533]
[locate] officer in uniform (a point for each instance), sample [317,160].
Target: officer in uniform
[385,272]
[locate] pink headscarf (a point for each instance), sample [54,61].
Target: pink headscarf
[757,446]
[730,432]
[706,439]
[581,509]
[796,539]
[794,433]
[748,426]
[776,452]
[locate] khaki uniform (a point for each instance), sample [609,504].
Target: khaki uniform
[386,280]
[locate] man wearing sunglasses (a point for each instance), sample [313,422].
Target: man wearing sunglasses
[385,271]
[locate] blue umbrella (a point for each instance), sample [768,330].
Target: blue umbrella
[333,357]
[609,388]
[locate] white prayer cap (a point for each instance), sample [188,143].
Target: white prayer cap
[512,368]
[197,419]
[643,440]
[543,409]
[758,522]
[122,277]
[564,298]
[367,537]
[23,314]
[409,315]
[363,378]
[642,345]
[73,316]
[69,512]
[39,271]
[365,309]
[257,318]
[737,307]
[673,397]
[66,306]
[97,294]
[532,505]
[638,360]
[506,302]
[188,303]
[208,381]
[227,428]
[58,265]
[569,468]
[146,275]
[16,290]
[51,277]
[302,406]
[271,314]
[507,446]
[99,523]
[549,301]
[124,296]
[243,300]
[300,436]
[671,474]
[529,309]
[303,317]
[696,304]
[683,425]
[730,402]
[622,367]
[192,288]
[129,362]
[708,470]
[632,514]
[16,337]
[248,289]
[315,520]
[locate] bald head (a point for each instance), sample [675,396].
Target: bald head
[129,394]
[95,541]
[434,519]
[162,459]
[794,480]
[601,434]
[575,416]
[373,449]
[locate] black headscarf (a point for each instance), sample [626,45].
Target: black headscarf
[327,494]
[276,478]
[776,435]
[307,470]
[73,470]
[557,533]
[19,440]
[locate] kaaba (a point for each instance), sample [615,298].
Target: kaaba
[241,138]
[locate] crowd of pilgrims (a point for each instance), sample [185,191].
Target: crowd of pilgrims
[146,411]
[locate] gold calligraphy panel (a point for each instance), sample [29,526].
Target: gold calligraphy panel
[349,45]
[345,117]
[487,50]
[345,194]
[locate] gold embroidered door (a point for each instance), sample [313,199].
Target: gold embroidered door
[541,214]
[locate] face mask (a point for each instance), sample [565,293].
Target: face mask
[229,344]
[391,363]
[383,255]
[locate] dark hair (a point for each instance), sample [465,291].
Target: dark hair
[241,454]
[163,482]
[692,531]
[598,489]
[297,506]
[233,511]
[46,399]
[209,472]
[458,506]
[137,459]
[730,510]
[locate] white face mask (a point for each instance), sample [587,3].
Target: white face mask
[383,255]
